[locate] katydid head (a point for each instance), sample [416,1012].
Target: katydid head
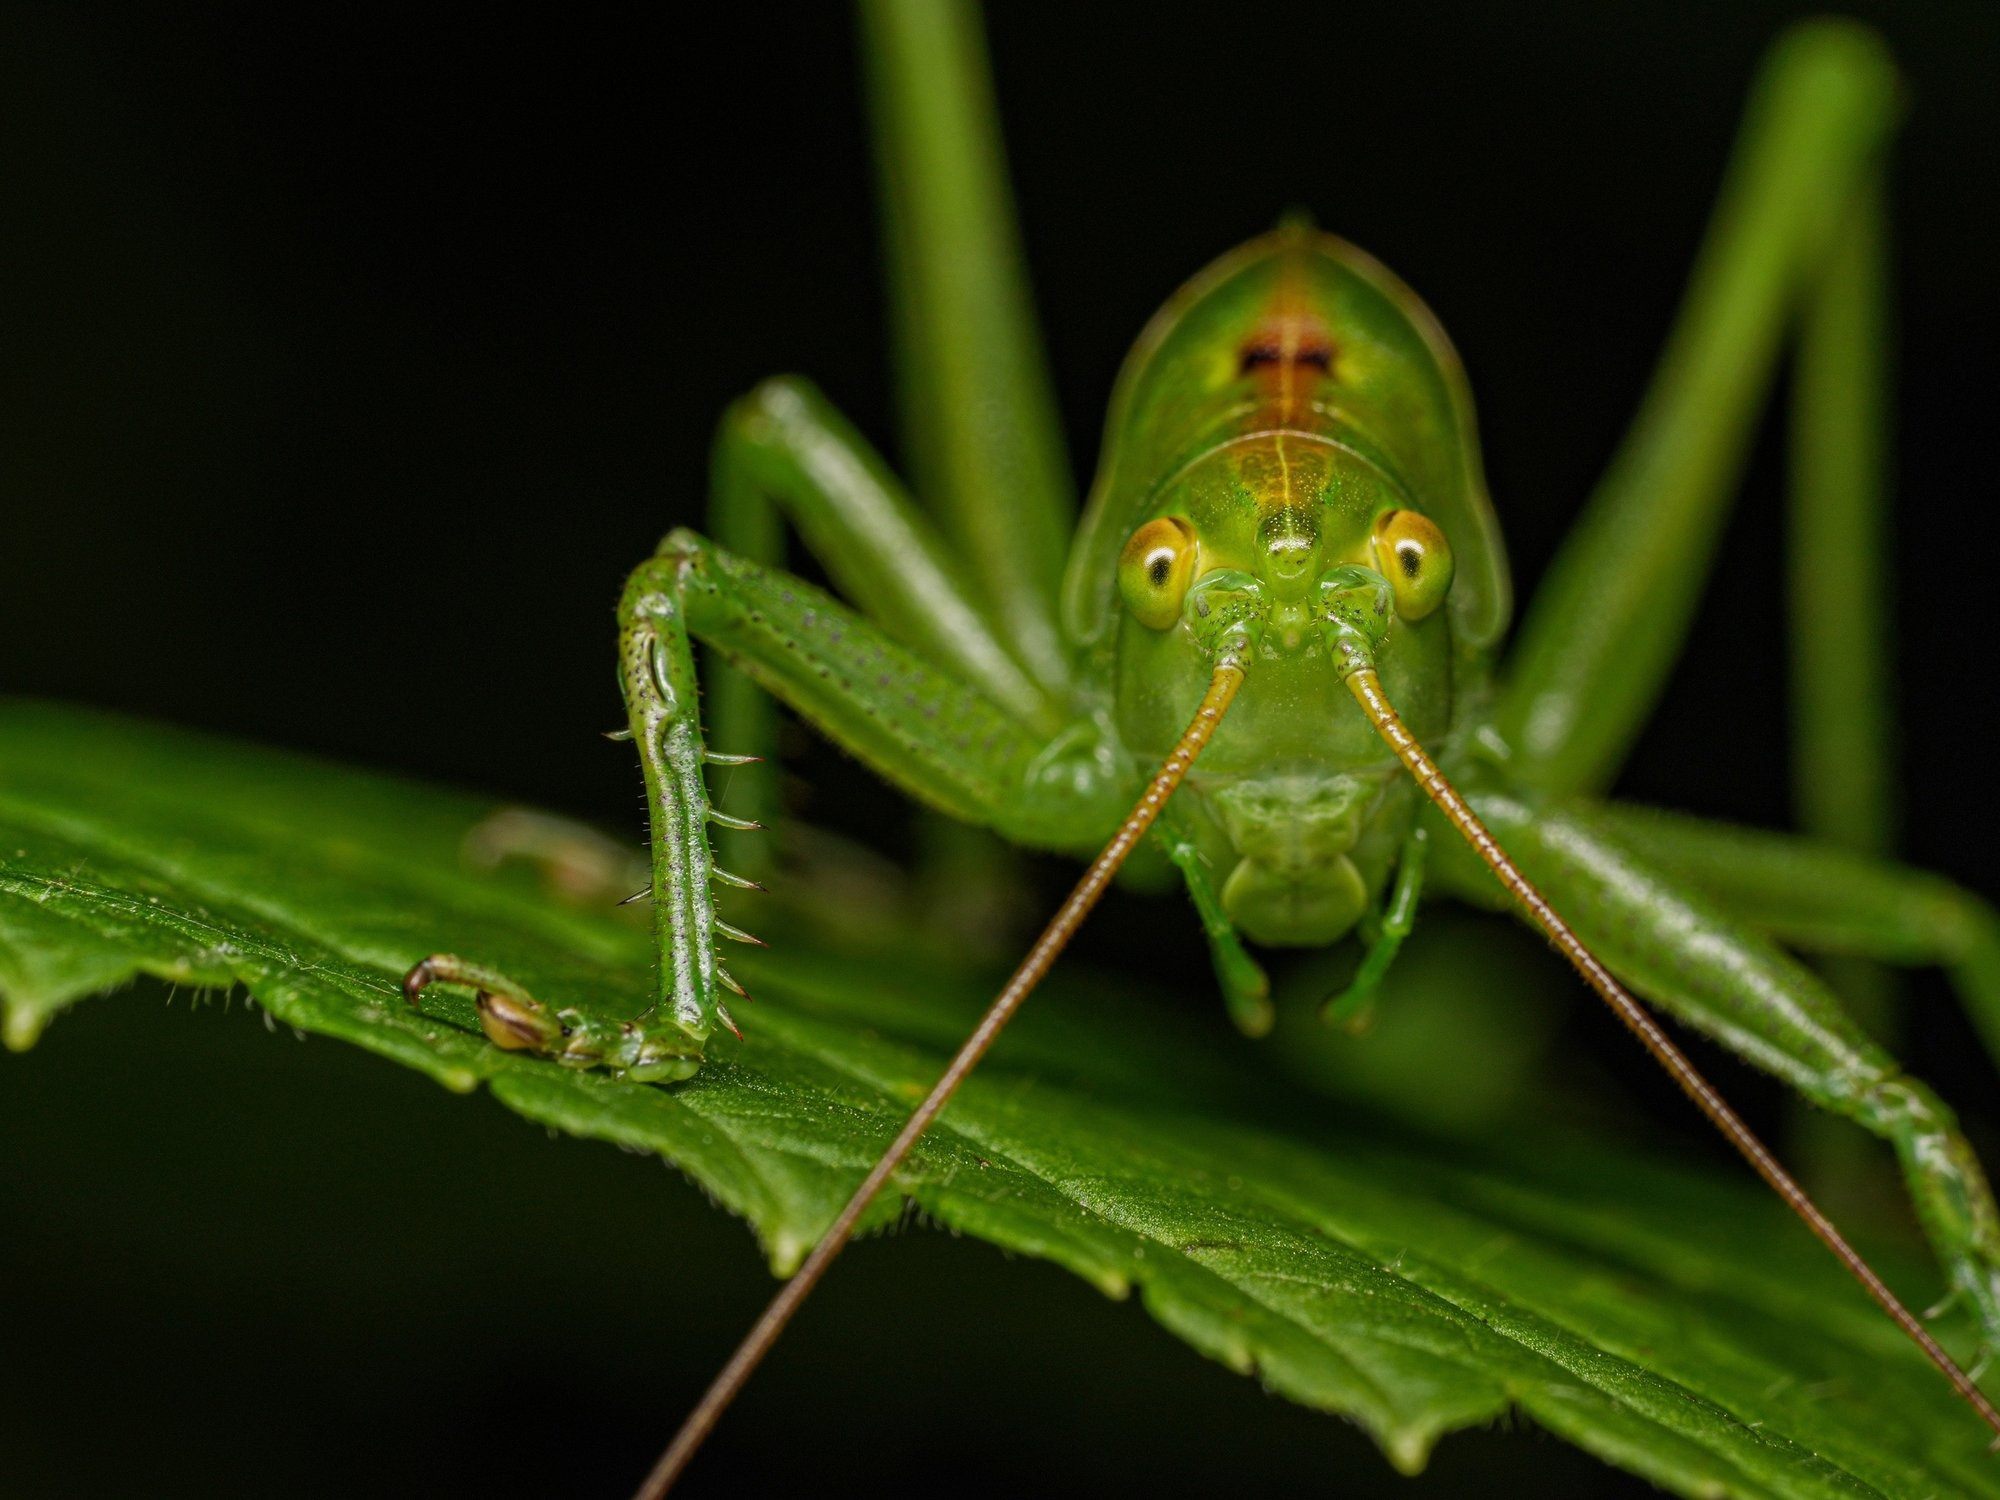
[1270,539]
[1281,403]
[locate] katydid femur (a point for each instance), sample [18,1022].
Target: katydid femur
[1287,562]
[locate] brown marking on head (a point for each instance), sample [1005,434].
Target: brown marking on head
[1287,344]
[1290,347]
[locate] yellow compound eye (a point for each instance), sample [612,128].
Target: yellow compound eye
[1413,555]
[1155,569]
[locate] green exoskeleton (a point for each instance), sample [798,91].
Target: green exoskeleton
[1287,586]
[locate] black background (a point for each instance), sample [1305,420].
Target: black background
[352,357]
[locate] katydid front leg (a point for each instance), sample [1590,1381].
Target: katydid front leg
[656,670]
[920,727]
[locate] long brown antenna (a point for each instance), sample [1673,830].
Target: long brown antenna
[1062,927]
[1367,689]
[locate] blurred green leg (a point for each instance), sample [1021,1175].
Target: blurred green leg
[1841,632]
[1610,618]
[1354,1007]
[742,718]
[979,418]
[1246,989]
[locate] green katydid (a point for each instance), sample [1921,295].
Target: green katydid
[1289,568]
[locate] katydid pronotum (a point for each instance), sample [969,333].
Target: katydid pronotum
[1287,593]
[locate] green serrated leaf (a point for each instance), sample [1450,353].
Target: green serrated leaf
[1681,1328]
